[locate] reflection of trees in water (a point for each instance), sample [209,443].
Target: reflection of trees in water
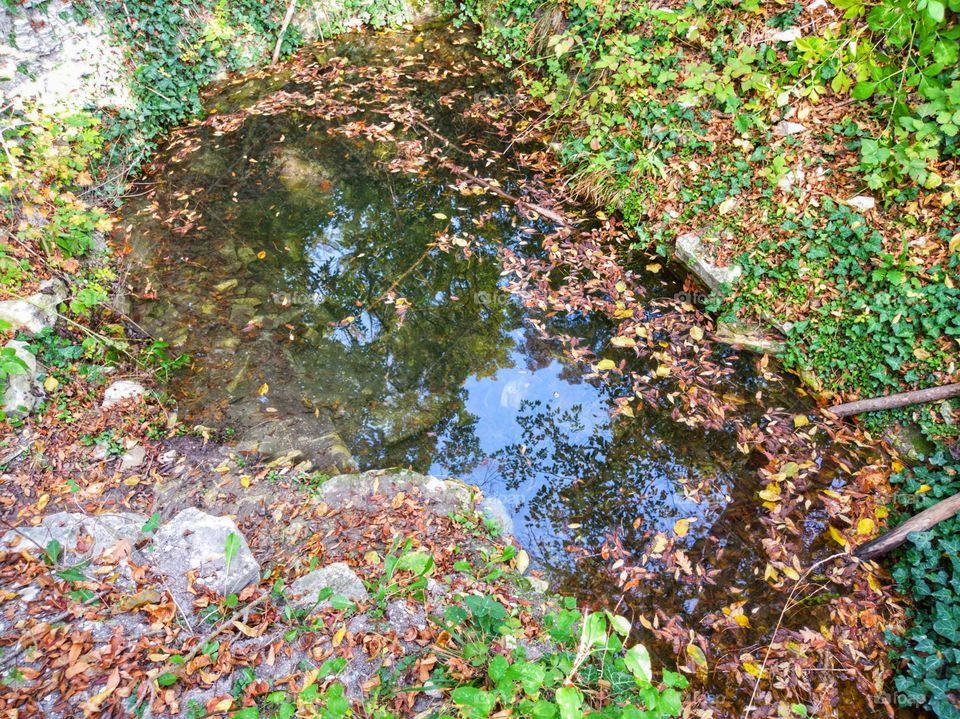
[620,476]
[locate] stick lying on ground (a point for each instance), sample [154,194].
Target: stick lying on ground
[927,519]
[892,401]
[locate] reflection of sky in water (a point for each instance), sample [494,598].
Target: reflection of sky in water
[560,432]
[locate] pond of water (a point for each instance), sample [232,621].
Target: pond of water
[328,277]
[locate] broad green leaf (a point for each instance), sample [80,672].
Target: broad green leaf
[416,562]
[637,660]
[570,703]
[595,630]
[230,548]
[475,703]
[620,624]
[935,9]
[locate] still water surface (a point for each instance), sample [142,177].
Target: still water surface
[264,234]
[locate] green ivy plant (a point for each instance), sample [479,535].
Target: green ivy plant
[928,570]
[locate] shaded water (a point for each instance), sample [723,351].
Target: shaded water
[262,238]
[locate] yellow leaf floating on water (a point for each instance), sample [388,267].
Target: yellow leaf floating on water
[261,255]
[654,267]
[696,333]
[605,364]
[264,388]
[865,526]
[800,420]
[522,561]
[837,537]
[770,572]
[697,655]
[770,494]
[753,669]
[663,371]
[659,543]
[682,526]
[439,215]
[623,342]
[874,583]
[742,619]
[792,573]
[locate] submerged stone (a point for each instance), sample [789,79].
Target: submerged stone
[751,337]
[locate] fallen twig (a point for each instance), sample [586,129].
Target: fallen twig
[927,519]
[283,31]
[893,401]
[222,627]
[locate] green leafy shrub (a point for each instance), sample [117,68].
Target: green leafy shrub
[587,671]
[889,323]
[175,48]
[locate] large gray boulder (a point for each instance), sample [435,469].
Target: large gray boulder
[338,577]
[52,57]
[691,251]
[67,528]
[196,541]
[36,312]
[23,391]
